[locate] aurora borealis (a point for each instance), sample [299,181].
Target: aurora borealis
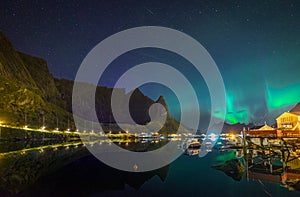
[256,45]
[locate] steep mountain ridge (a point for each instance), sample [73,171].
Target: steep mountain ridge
[139,104]
[40,73]
[31,95]
[296,108]
[27,89]
[11,65]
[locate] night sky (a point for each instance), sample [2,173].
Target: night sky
[256,44]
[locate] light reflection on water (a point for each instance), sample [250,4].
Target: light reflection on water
[68,167]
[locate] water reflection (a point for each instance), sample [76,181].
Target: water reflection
[275,160]
[21,168]
[279,166]
[36,168]
[7,146]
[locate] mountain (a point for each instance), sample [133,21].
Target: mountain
[296,108]
[32,73]
[270,119]
[27,89]
[31,95]
[139,105]
[42,77]
[12,66]
[235,128]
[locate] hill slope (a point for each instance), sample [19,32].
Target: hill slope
[30,95]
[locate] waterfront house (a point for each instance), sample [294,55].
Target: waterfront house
[288,125]
[264,131]
[288,120]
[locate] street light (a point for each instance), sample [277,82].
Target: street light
[43,128]
[0,128]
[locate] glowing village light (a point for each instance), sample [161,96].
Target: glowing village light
[43,128]
[212,136]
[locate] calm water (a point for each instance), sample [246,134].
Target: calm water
[67,169]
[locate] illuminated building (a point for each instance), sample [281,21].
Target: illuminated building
[288,120]
[288,125]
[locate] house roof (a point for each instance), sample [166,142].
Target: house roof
[266,127]
[292,113]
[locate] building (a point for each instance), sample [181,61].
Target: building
[288,125]
[264,131]
[288,120]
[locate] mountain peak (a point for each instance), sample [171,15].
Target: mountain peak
[5,43]
[162,101]
[296,108]
[12,66]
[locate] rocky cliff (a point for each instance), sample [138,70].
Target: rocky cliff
[26,89]
[41,75]
[11,65]
[139,105]
[31,95]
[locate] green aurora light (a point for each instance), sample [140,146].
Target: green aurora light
[277,98]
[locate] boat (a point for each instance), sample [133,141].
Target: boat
[194,144]
[192,151]
[191,143]
[144,135]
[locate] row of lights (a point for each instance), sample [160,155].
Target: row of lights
[43,128]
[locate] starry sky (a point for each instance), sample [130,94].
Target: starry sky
[256,45]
